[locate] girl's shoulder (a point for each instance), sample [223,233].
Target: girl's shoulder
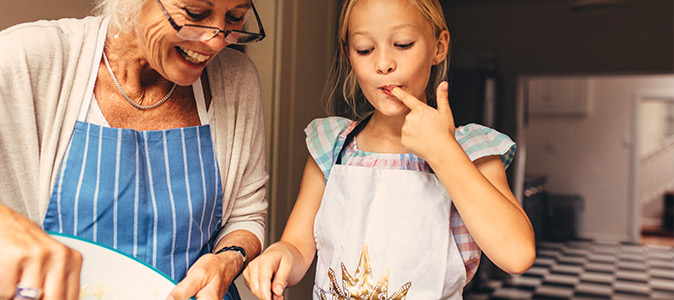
[330,126]
[480,141]
[325,139]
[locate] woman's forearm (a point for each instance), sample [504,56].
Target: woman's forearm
[244,239]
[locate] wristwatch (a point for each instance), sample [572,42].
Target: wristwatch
[233,248]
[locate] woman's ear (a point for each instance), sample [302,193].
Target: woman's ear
[441,47]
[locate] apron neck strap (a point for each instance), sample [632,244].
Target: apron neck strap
[359,127]
[200,101]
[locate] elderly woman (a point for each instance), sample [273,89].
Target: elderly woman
[136,129]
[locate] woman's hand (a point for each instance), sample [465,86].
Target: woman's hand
[426,129]
[209,277]
[267,275]
[29,256]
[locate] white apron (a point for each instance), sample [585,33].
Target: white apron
[385,234]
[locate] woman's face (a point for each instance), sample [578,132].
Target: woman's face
[390,44]
[178,60]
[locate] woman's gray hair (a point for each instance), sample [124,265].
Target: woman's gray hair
[123,13]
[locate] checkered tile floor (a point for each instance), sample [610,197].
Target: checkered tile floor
[589,270]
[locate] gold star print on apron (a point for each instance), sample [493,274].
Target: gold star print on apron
[358,286]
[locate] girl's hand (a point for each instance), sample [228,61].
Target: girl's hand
[271,267]
[426,129]
[29,256]
[209,278]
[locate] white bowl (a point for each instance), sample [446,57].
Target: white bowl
[108,274]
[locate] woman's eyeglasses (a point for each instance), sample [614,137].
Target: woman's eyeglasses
[193,32]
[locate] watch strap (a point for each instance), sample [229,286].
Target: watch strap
[233,248]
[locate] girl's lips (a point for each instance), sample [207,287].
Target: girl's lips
[387,90]
[389,87]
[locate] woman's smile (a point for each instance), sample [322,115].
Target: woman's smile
[192,56]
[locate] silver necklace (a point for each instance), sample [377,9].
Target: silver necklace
[119,87]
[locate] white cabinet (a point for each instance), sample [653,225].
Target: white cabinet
[559,96]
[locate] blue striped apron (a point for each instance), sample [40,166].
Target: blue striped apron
[155,195]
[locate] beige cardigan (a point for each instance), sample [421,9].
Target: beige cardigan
[44,71]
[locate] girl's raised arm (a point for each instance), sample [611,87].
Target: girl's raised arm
[285,262]
[492,214]
[479,189]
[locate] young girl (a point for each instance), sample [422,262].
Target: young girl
[400,204]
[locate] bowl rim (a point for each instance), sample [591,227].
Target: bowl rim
[52,233]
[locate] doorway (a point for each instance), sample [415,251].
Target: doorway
[653,163]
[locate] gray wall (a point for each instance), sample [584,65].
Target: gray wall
[549,37]
[592,154]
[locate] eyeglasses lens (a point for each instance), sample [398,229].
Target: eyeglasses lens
[198,33]
[193,33]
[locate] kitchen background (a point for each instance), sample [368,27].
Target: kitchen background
[585,87]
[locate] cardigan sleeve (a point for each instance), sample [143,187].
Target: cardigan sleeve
[239,133]
[250,204]
[44,68]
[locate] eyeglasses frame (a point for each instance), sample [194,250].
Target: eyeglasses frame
[177,27]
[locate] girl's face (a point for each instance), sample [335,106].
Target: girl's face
[178,60]
[391,44]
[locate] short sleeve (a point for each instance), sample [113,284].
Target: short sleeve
[325,138]
[480,141]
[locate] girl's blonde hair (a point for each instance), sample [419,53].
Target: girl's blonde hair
[123,13]
[342,74]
